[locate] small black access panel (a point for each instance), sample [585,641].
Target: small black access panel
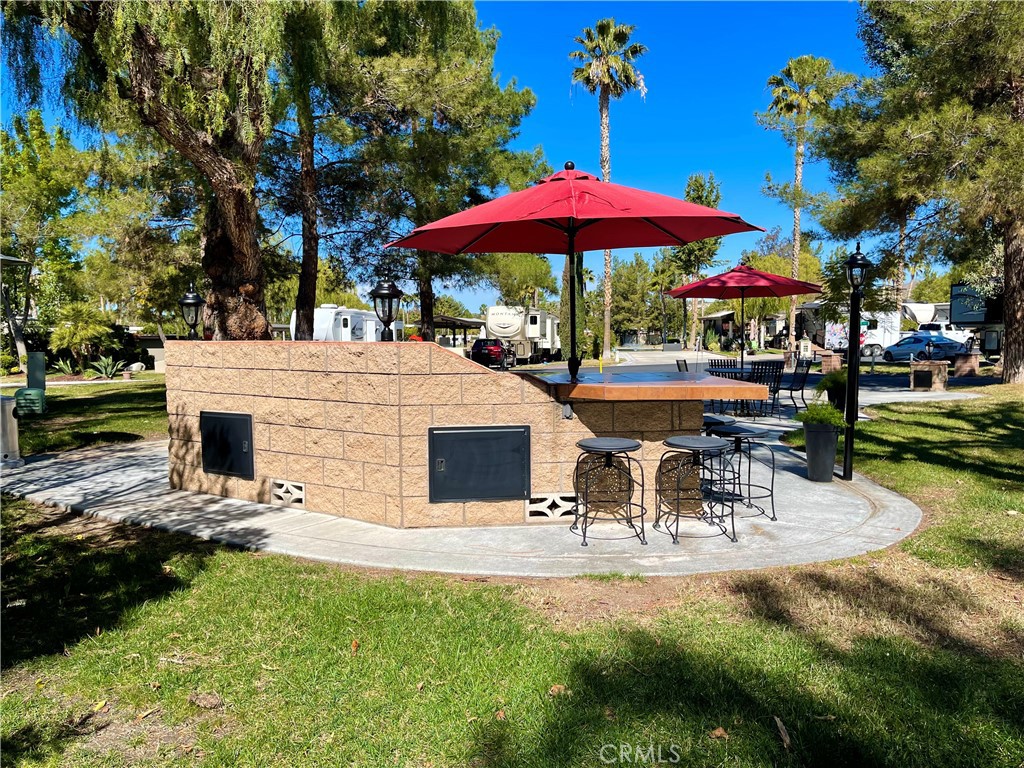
[227,444]
[479,463]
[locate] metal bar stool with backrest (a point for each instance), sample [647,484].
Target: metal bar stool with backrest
[605,481]
[696,480]
[745,439]
[798,382]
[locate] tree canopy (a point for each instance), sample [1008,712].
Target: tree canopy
[931,150]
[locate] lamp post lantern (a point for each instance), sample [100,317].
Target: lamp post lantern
[386,299]
[190,305]
[929,349]
[857,267]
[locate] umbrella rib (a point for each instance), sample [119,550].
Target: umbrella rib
[661,229]
[477,239]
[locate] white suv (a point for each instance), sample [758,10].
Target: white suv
[948,330]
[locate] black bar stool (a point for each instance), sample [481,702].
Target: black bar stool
[696,479]
[745,438]
[717,420]
[606,480]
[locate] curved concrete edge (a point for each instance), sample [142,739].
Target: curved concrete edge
[129,485]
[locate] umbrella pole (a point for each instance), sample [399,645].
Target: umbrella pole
[743,326]
[574,361]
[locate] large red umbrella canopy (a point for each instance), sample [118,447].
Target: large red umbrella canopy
[573,210]
[569,212]
[740,283]
[743,282]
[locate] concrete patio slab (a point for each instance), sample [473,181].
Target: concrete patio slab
[817,522]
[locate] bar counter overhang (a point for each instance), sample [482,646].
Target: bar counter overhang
[344,427]
[624,385]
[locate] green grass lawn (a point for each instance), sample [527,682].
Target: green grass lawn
[96,414]
[126,646]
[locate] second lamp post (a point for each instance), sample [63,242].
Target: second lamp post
[857,267]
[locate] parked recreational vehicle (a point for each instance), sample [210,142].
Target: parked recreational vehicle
[334,323]
[533,332]
[878,330]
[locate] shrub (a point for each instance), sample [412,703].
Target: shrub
[7,362]
[821,413]
[832,383]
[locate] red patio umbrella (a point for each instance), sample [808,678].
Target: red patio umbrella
[739,283]
[569,212]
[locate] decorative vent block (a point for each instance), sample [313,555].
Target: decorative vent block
[288,494]
[550,506]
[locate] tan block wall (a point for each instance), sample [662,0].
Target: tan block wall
[350,421]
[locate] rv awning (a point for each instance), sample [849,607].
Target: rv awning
[457,323]
[717,315]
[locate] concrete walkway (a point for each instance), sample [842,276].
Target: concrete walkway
[816,521]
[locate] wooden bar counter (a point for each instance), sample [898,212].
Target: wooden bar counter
[626,385]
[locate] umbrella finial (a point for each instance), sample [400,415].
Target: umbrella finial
[570,166]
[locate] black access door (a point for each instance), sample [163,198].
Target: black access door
[227,444]
[479,463]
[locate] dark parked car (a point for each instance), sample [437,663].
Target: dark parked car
[492,352]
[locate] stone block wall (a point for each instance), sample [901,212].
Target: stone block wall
[350,420]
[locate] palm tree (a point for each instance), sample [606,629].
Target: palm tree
[799,93]
[81,330]
[606,68]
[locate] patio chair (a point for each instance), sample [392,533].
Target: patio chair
[718,406]
[798,382]
[768,373]
[682,367]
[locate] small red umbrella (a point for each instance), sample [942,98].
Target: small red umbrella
[739,283]
[569,212]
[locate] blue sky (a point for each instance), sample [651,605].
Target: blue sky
[705,72]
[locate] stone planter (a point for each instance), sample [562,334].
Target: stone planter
[822,440]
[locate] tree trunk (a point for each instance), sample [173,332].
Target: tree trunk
[1013,302]
[305,300]
[19,337]
[426,287]
[798,178]
[234,305]
[231,252]
[606,175]
[901,267]
[160,333]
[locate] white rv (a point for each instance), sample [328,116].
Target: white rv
[878,330]
[334,323]
[533,332]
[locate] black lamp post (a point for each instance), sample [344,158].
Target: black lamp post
[929,348]
[857,267]
[190,305]
[386,299]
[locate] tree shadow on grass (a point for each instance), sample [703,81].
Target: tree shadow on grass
[67,577]
[883,702]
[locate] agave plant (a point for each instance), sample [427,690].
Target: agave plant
[65,367]
[108,367]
